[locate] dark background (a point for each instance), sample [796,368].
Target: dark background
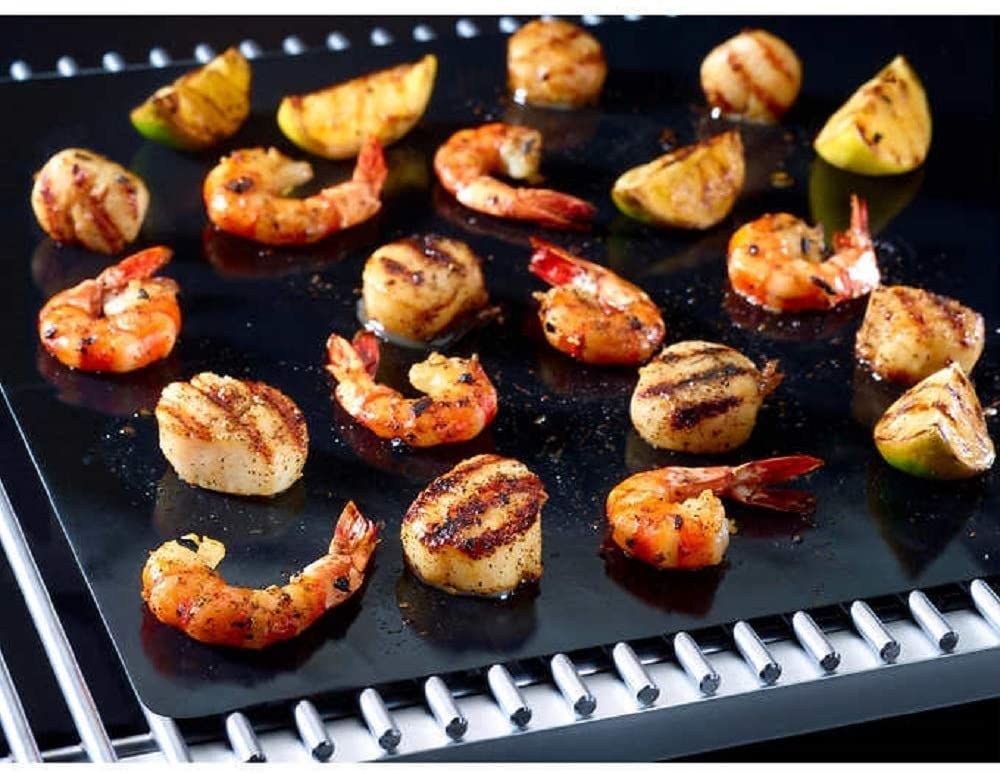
[968,732]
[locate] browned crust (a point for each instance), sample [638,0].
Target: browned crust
[520,493]
[233,400]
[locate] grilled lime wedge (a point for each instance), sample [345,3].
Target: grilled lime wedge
[883,129]
[201,108]
[692,187]
[936,429]
[333,122]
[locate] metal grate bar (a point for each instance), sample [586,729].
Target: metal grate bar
[292,45]
[74,688]
[13,720]
[168,737]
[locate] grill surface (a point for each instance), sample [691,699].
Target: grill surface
[907,552]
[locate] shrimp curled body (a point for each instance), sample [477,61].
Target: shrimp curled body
[183,589]
[459,400]
[591,313]
[466,162]
[672,517]
[777,262]
[122,320]
[245,195]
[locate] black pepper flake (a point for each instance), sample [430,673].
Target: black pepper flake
[466,378]
[678,522]
[877,138]
[753,249]
[805,244]
[240,185]
[50,332]
[822,284]
[88,340]
[143,294]
[549,327]
[190,544]
[421,405]
[342,584]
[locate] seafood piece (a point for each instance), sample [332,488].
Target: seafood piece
[908,334]
[334,121]
[466,162]
[238,437]
[672,517]
[420,287]
[245,196]
[693,187]
[936,429]
[122,320]
[700,397]
[183,589]
[81,197]
[754,75]
[778,262]
[201,108]
[553,63]
[477,529]
[591,313]
[459,400]
[884,128]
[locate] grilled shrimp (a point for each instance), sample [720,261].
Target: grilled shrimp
[553,63]
[245,196]
[420,287]
[239,437]
[672,517]
[459,400]
[700,397]
[183,589]
[81,197]
[477,529]
[777,262]
[591,313]
[466,162]
[122,320]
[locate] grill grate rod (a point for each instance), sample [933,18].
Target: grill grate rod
[74,688]
[13,720]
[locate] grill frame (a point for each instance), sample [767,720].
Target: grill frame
[803,698]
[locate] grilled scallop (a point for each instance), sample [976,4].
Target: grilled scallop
[700,397]
[754,75]
[80,197]
[239,437]
[477,529]
[420,287]
[555,63]
[908,334]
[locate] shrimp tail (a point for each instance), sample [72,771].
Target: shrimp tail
[779,500]
[752,477]
[141,265]
[343,361]
[776,469]
[365,343]
[371,167]
[859,217]
[553,209]
[354,533]
[860,274]
[552,264]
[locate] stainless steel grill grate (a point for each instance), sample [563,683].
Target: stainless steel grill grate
[674,680]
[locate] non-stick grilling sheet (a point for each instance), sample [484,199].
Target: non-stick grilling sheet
[265,314]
